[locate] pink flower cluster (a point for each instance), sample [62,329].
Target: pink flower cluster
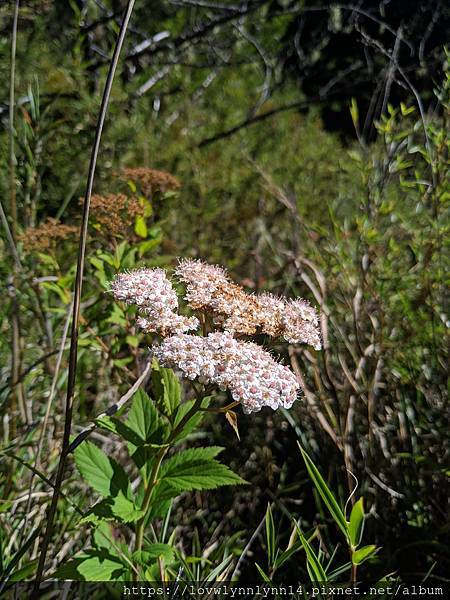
[253,377]
[209,288]
[157,301]
[249,372]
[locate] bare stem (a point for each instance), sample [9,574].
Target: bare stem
[354,568]
[17,396]
[77,297]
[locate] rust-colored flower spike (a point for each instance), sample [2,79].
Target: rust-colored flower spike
[46,235]
[115,213]
[150,180]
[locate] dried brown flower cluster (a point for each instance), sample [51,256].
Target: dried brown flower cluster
[150,180]
[115,213]
[46,235]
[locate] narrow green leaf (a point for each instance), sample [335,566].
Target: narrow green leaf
[140,227]
[313,561]
[101,472]
[270,536]
[286,555]
[263,575]
[363,553]
[24,572]
[325,493]
[355,525]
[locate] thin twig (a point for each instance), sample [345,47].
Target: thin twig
[111,410]
[77,297]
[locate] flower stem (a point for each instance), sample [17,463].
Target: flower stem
[153,479]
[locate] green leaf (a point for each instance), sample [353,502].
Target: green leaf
[363,553]
[356,523]
[118,508]
[119,428]
[270,536]
[143,419]
[167,389]
[193,422]
[325,493]
[117,317]
[92,565]
[101,472]
[194,469]
[263,575]
[140,227]
[286,555]
[97,263]
[315,567]
[24,572]
[154,551]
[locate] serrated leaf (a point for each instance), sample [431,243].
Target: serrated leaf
[167,389]
[363,553]
[356,523]
[118,508]
[325,493]
[119,428]
[143,419]
[101,472]
[91,565]
[194,469]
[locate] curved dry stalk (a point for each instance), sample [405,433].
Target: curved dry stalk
[112,410]
[77,297]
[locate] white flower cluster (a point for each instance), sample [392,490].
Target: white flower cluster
[253,377]
[209,288]
[157,301]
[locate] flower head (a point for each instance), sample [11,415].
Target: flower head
[157,301]
[46,236]
[150,180]
[209,288]
[300,323]
[202,282]
[253,377]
